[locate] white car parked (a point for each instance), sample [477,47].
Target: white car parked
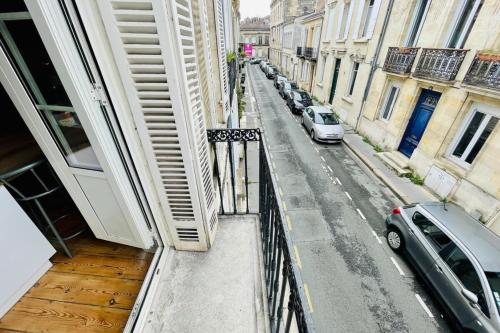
[322,124]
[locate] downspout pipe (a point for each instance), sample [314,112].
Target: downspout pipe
[374,61]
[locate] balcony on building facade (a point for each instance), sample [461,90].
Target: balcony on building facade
[309,53]
[484,71]
[399,60]
[439,64]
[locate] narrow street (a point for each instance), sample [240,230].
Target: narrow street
[335,212]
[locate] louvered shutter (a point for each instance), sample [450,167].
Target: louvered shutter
[157,64]
[219,12]
[373,19]
[359,16]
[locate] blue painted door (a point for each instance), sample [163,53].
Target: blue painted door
[418,121]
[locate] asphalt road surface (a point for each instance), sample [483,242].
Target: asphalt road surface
[335,211]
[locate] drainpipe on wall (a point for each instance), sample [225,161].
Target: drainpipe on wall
[374,61]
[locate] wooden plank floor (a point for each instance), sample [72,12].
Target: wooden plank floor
[92,292]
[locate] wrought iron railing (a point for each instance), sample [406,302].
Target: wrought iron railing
[300,51]
[484,71]
[399,60]
[439,64]
[311,53]
[288,308]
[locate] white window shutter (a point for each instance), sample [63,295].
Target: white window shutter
[359,16]
[373,19]
[348,23]
[221,42]
[153,45]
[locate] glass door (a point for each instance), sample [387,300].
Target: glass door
[42,70]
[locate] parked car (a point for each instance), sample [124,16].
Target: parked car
[298,100]
[286,88]
[278,79]
[322,124]
[270,72]
[263,65]
[456,255]
[255,61]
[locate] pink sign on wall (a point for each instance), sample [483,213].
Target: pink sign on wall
[248,48]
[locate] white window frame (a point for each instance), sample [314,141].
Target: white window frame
[456,18]
[414,22]
[489,112]
[345,33]
[390,86]
[321,69]
[367,23]
[330,23]
[352,78]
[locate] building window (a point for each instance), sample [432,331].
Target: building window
[260,40]
[266,39]
[417,22]
[475,131]
[366,17]
[344,21]
[329,25]
[321,69]
[352,81]
[389,101]
[463,21]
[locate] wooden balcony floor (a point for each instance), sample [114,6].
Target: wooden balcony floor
[92,292]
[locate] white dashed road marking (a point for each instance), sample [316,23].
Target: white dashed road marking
[323,159]
[361,214]
[338,181]
[397,266]
[348,195]
[426,309]
[330,169]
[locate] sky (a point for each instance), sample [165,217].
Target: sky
[251,8]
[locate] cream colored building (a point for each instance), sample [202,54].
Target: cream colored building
[255,31]
[432,98]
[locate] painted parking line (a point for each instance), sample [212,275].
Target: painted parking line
[397,267]
[424,306]
[297,256]
[324,167]
[316,149]
[288,222]
[376,237]
[277,178]
[361,214]
[323,159]
[330,169]
[348,195]
[308,296]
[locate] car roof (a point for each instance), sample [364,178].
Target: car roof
[320,109]
[479,240]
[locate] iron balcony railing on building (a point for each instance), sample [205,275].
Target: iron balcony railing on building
[311,53]
[400,60]
[484,71]
[300,51]
[439,64]
[287,305]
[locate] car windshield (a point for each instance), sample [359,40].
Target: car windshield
[494,281]
[304,96]
[298,97]
[293,85]
[271,70]
[325,119]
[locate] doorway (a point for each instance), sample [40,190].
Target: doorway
[334,80]
[418,121]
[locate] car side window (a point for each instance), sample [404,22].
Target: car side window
[311,113]
[458,262]
[432,233]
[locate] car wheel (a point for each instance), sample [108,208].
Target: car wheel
[313,137]
[395,240]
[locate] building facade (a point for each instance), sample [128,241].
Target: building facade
[255,31]
[420,79]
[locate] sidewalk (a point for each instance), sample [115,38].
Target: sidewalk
[402,187]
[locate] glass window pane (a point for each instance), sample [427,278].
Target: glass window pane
[482,139]
[12,6]
[464,270]
[468,134]
[461,24]
[432,233]
[388,104]
[39,64]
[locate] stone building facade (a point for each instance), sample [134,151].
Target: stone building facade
[256,31]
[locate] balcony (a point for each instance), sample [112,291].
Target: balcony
[439,64]
[399,60]
[484,71]
[248,280]
[309,53]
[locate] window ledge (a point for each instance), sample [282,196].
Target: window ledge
[348,99]
[319,84]
[361,40]
[341,41]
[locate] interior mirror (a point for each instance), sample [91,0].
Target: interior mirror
[471,297]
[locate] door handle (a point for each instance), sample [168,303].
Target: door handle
[439,269]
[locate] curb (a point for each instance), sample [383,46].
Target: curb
[377,173]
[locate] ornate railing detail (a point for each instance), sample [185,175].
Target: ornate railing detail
[300,51]
[439,64]
[311,53]
[399,60]
[287,304]
[484,71]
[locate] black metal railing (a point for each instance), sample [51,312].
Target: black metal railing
[439,64]
[311,53]
[399,60]
[300,51]
[233,72]
[484,71]
[288,308]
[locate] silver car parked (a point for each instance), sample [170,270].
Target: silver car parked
[457,256]
[322,124]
